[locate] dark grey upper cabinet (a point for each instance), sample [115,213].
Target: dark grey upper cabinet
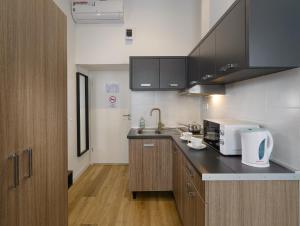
[274,33]
[253,38]
[158,73]
[144,73]
[173,73]
[193,67]
[207,59]
[231,41]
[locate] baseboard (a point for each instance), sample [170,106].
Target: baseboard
[80,172]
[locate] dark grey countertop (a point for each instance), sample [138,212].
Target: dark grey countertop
[214,166]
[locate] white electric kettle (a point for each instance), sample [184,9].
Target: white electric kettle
[257,146]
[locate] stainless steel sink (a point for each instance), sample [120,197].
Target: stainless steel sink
[151,131]
[148,132]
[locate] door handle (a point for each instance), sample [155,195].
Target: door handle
[29,153]
[15,158]
[128,116]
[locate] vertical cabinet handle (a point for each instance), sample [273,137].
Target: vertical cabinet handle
[190,173]
[29,153]
[15,158]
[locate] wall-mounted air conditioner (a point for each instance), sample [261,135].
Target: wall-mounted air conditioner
[98,12]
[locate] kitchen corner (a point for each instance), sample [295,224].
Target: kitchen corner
[204,181]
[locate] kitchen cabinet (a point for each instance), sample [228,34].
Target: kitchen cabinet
[173,73]
[33,100]
[200,202]
[178,177]
[202,189]
[150,165]
[193,67]
[194,205]
[144,73]
[253,38]
[207,59]
[189,202]
[158,73]
[230,40]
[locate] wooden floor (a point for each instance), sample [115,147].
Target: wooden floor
[100,197]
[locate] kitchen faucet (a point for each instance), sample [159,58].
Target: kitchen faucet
[160,124]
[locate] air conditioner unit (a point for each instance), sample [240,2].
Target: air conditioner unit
[98,12]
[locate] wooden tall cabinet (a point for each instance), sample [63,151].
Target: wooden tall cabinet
[33,126]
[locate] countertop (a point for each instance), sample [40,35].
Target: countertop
[214,166]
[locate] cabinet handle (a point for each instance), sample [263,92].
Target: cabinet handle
[228,67]
[173,85]
[146,85]
[149,145]
[193,82]
[189,171]
[15,158]
[207,77]
[190,189]
[192,194]
[29,152]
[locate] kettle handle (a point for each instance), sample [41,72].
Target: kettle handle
[270,143]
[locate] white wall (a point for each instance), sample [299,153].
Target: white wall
[74,163]
[160,27]
[273,101]
[174,108]
[211,11]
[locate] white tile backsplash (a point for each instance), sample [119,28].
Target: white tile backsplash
[273,101]
[174,108]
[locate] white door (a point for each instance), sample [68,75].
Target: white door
[110,101]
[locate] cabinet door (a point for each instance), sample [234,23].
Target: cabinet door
[150,165]
[207,59]
[193,68]
[189,204]
[175,174]
[136,165]
[56,115]
[11,110]
[173,73]
[144,73]
[33,165]
[199,207]
[230,41]
[181,186]
[164,165]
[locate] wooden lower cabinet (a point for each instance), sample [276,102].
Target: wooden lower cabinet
[150,165]
[178,177]
[157,165]
[232,203]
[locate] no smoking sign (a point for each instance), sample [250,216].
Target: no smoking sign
[112,99]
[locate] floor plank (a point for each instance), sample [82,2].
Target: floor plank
[100,197]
